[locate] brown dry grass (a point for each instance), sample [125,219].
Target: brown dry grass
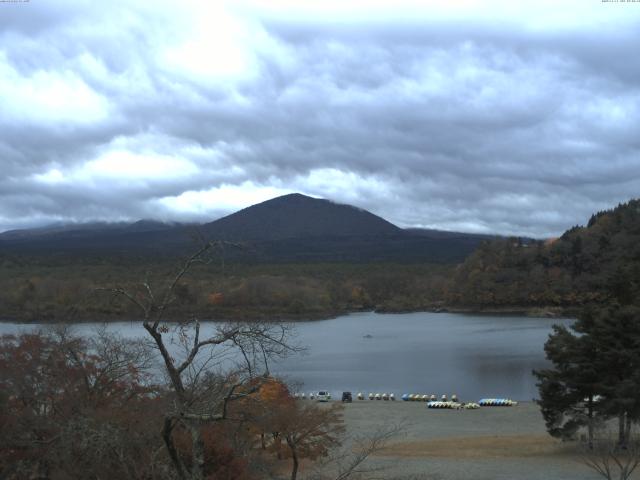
[486,447]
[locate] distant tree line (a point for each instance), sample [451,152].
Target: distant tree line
[49,290]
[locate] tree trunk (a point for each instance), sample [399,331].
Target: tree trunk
[167,432]
[621,424]
[294,457]
[627,430]
[197,451]
[277,441]
[590,424]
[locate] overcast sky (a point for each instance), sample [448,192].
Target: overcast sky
[482,116]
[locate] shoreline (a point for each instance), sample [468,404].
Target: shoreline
[531,312]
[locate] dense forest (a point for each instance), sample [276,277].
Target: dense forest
[585,265]
[57,289]
[555,276]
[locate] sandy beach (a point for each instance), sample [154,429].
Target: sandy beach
[490,443]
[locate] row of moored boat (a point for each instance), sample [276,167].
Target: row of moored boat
[431,400]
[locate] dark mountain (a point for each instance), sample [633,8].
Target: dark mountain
[151,226]
[90,228]
[298,216]
[61,228]
[291,228]
[97,237]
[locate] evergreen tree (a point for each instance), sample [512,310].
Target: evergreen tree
[615,330]
[568,392]
[595,374]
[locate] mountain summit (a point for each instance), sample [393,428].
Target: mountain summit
[298,216]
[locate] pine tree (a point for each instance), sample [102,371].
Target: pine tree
[595,374]
[568,392]
[615,330]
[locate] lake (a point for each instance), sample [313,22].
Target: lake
[473,356]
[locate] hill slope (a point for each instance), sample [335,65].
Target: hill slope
[597,262]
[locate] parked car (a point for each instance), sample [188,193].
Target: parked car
[323,396]
[347,397]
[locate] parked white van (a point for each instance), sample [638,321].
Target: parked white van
[323,396]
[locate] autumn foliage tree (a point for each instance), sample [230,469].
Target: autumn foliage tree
[310,431]
[292,429]
[77,408]
[265,408]
[73,407]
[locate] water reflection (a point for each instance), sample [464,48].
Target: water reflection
[473,356]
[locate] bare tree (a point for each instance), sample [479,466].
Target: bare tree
[611,460]
[199,396]
[351,461]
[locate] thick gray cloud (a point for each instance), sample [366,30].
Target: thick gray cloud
[507,121]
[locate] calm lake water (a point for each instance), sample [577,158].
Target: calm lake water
[473,356]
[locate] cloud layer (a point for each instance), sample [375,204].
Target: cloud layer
[481,116]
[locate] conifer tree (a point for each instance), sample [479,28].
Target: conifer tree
[615,330]
[595,374]
[568,392]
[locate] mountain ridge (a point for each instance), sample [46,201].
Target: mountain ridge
[289,228]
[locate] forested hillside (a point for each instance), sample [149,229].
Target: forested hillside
[584,265]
